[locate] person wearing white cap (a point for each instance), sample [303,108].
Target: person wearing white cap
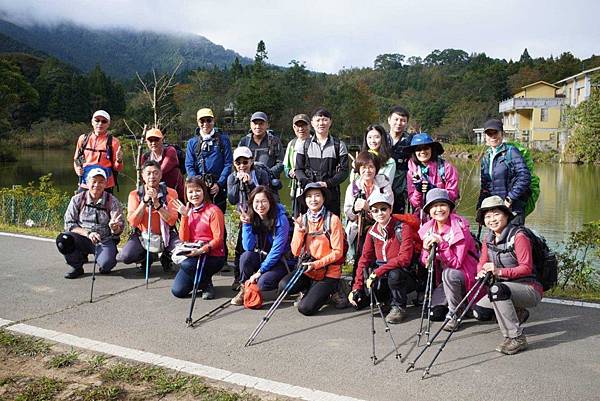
[240,183]
[209,155]
[98,149]
[93,220]
[388,255]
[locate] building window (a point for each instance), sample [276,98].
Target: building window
[543,114]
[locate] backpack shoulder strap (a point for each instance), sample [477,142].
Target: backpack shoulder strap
[398,230]
[84,143]
[336,147]
[441,165]
[109,147]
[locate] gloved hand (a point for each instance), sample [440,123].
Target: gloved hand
[424,187]
[371,280]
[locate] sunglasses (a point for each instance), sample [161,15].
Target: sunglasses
[153,139]
[375,210]
[100,120]
[207,120]
[241,162]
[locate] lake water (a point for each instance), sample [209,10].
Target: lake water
[569,193]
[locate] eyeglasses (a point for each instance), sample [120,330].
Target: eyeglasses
[382,209]
[100,120]
[206,120]
[241,162]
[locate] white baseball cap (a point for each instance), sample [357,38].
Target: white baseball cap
[381,197]
[101,113]
[242,151]
[95,172]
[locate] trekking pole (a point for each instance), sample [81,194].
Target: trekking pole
[421,212]
[479,232]
[372,304]
[94,272]
[294,199]
[476,287]
[209,313]
[479,284]
[375,302]
[197,278]
[428,295]
[299,271]
[148,241]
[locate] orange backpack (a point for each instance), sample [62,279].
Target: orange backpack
[253,298]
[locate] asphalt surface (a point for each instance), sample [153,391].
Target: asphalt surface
[330,351]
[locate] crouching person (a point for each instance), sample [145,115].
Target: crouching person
[318,237]
[93,221]
[163,236]
[265,231]
[506,252]
[386,259]
[202,225]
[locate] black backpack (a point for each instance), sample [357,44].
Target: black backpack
[545,263]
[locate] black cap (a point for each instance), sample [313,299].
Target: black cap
[493,124]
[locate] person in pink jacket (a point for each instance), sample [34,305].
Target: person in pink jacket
[427,170]
[456,253]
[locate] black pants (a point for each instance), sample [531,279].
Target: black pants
[239,249]
[393,288]
[316,293]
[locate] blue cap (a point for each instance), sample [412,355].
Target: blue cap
[259,115]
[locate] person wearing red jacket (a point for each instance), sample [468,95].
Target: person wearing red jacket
[506,252]
[390,256]
[166,156]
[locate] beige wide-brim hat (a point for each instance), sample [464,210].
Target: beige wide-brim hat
[492,202]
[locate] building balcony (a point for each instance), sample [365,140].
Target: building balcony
[520,103]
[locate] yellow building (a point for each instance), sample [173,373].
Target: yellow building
[532,115]
[577,88]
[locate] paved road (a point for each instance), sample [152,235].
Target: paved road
[329,352]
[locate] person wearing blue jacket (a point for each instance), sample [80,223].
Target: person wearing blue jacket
[265,230]
[209,155]
[504,172]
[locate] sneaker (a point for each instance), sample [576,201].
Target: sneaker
[503,344]
[238,300]
[522,315]
[209,292]
[451,325]
[75,272]
[297,301]
[396,315]
[339,300]
[515,345]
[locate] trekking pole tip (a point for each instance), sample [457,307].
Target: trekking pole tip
[425,374]
[410,367]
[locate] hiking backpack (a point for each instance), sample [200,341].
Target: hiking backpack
[271,143]
[109,153]
[534,187]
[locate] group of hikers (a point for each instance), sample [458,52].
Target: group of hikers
[398,213]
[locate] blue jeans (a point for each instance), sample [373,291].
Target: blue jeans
[250,263]
[105,253]
[184,280]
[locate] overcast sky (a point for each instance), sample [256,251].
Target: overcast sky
[331,35]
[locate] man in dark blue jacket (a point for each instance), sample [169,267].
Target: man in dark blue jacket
[399,140]
[504,172]
[209,155]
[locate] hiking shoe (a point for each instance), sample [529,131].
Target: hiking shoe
[503,344]
[297,301]
[396,315]
[75,272]
[451,325]
[515,345]
[339,300]
[238,300]
[102,271]
[166,262]
[209,292]
[235,286]
[522,315]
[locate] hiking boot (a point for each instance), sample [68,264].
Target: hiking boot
[166,262]
[503,344]
[515,345]
[396,315]
[339,301]
[522,315]
[451,325]
[209,292]
[238,300]
[75,272]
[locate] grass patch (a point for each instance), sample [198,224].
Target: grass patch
[23,346]
[166,384]
[574,294]
[93,364]
[42,389]
[63,360]
[120,372]
[101,393]
[34,231]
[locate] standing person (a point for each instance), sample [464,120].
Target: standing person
[98,149]
[240,184]
[375,141]
[164,216]
[427,170]
[209,155]
[92,221]
[323,159]
[319,233]
[266,147]
[399,140]
[388,253]
[456,253]
[301,127]
[166,156]
[201,222]
[265,238]
[504,172]
[506,252]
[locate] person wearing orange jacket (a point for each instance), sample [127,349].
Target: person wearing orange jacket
[320,234]
[98,149]
[163,235]
[203,223]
